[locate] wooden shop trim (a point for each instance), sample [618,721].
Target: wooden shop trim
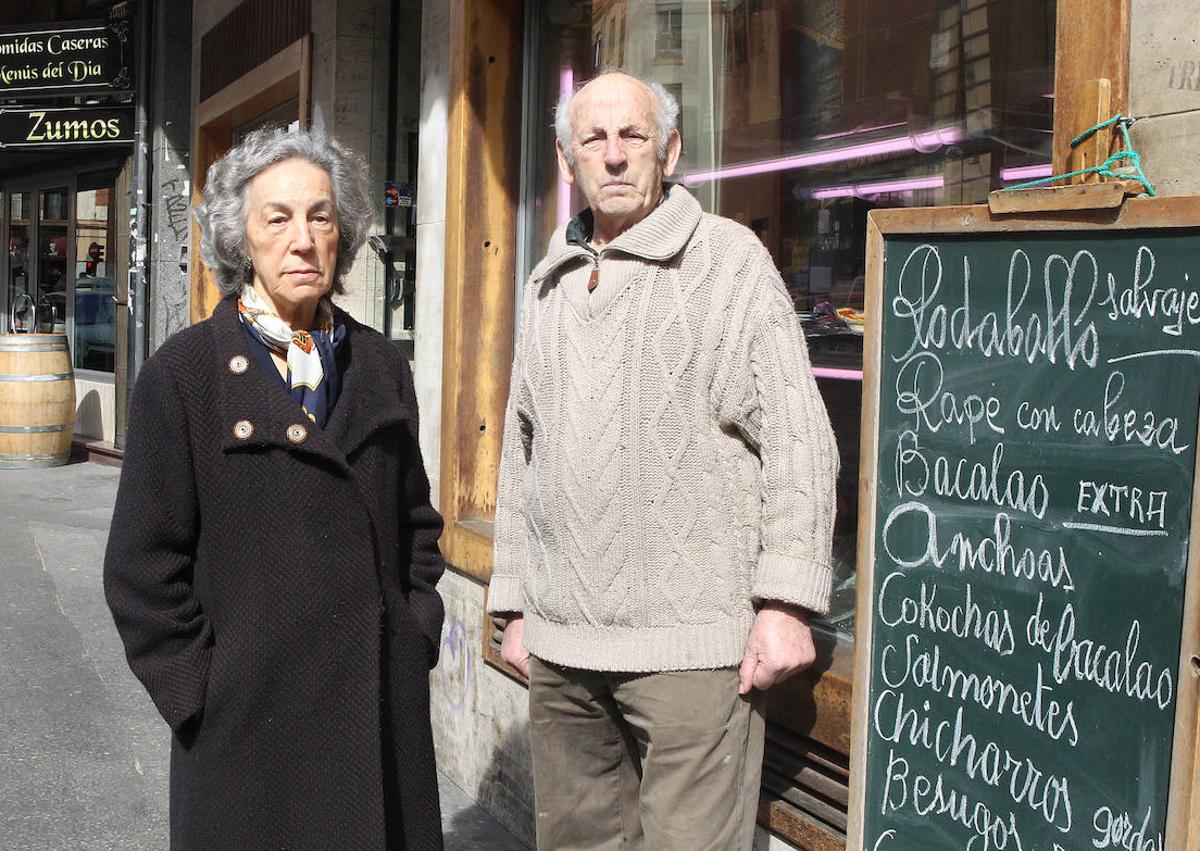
[868,454]
[284,76]
[1176,211]
[482,194]
[807,748]
[1091,77]
[1183,816]
[493,635]
[783,819]
[472,548]
[206,148]
[816,703]
[270,84]
[1084,196]
[243,39]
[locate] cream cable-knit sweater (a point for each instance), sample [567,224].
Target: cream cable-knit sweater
[667,457]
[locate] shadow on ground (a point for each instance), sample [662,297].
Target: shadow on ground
[507,823]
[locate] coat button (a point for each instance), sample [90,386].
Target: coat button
[297,433]
[238,364]
[243,429]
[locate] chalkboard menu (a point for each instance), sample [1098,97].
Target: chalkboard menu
[1033,395]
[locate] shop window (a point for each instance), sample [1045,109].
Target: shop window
[95,313]
[799,117]
[20,230]
[59,269]
[813,114]
[686,110]
[51,299]
[621,44]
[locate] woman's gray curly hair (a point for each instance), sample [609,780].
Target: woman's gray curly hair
[222,215]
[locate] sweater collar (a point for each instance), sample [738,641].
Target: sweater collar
[658,237]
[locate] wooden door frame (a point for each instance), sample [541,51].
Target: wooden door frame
[1091,78]
[284,76]
[482,207]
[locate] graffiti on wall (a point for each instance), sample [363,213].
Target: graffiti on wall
[456,670]
[175,207]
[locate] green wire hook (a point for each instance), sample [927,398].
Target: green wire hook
[1104,169]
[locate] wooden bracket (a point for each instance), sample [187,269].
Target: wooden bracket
[493,636]
[1093,102]
[1096,101]
[1091,79]
[1084,196]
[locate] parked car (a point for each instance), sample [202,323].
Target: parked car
[95,321]
[95,324]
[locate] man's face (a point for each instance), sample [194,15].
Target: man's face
[615,145]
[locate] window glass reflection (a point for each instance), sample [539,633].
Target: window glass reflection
[800,116]
[51,296]
[20,205]
[95,279]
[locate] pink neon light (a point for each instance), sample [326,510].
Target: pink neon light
[827,192]
[833,372]
[858,132]
[899,144]
[933,181]
[566,82]
[1026,172]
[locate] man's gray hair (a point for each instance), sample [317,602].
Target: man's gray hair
[666,114]
[222,215]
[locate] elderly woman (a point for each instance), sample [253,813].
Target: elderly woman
[273,563]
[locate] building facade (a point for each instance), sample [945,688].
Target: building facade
[70,102]
[798,117]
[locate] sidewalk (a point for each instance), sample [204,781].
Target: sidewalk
[83,754]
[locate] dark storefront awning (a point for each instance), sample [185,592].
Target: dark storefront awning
[18,165]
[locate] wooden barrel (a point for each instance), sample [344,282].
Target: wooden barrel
[37,400]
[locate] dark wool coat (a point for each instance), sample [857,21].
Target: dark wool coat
[273,583]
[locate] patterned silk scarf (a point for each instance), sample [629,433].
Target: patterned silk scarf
[310,355]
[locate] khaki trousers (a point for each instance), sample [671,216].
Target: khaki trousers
[644,762]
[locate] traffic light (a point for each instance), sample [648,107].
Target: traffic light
[94,258]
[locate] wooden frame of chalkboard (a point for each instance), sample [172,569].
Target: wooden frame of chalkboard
[902,807]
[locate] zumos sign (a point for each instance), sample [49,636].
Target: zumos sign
[86,57]
[35,127]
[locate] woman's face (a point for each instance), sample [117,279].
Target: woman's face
[292,236]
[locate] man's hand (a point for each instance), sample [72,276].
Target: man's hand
[512,647]
[780,645]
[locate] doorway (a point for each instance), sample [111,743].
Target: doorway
[58,269]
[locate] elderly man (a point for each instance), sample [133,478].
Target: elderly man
[666,496]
